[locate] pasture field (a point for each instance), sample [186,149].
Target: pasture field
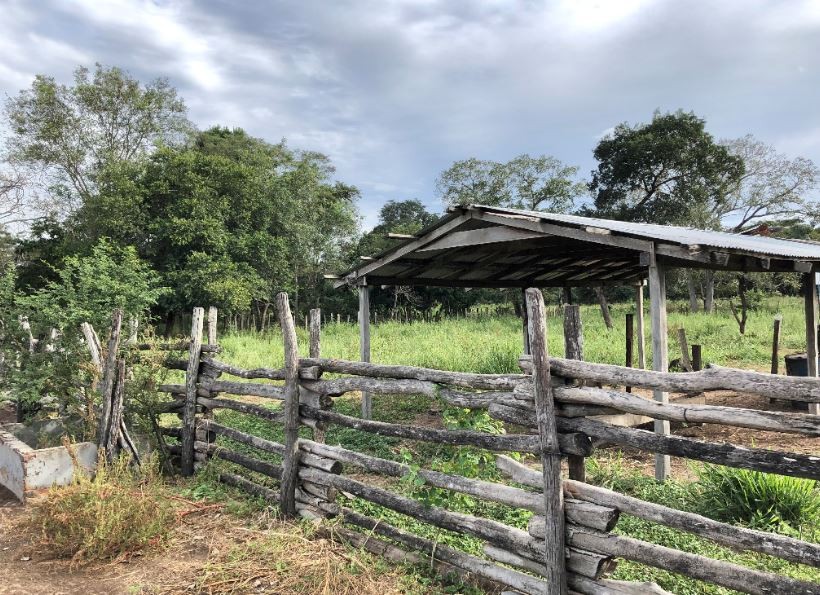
[492,345]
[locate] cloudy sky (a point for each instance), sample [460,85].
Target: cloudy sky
[395,91]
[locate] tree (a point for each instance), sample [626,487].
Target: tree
[70,132]
[772,186]
[668,171]
[525,182]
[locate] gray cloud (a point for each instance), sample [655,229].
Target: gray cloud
[395,91]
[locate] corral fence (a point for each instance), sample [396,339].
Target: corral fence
[568,545]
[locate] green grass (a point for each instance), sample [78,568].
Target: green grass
[492,345]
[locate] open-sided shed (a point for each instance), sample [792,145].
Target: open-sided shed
[483,246]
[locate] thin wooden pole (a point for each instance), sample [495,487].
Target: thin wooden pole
[685,359]
[213,314]
[574,349]
[660,353]
[640,327]
[364,343]
[555,576]
[630,343]
[290,408]
[191,374]
[697,357]
[810,294]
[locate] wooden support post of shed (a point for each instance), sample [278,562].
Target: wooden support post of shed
[810,295]
[660,353]
[640,326]
[525,324]
[364,342]
[574,349]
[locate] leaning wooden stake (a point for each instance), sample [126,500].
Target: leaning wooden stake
[550,455]
[213,313]
[290,408]
[189,412]
[109,379]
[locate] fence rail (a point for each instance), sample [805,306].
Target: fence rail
[568,544]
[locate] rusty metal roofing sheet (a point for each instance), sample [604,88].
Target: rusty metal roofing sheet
[774,247]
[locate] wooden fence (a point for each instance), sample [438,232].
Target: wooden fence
[568,546]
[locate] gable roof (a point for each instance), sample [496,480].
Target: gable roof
[484,246]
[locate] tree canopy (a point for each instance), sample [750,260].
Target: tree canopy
[667,171]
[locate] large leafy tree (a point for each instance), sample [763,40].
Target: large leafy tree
[68,133]
[525,182]
[669,171]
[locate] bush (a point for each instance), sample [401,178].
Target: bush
[112,515]
[759,500]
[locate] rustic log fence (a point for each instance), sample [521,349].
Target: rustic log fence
[568,545]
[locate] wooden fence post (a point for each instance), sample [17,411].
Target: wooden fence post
[555,575]
[315,332]
[685,360]
[290,409]
[776,343]
[660,354]
[212,320]
[364,343]
[639,328]
[189,411]
[697,357]
[812,308]
[574,349]
[630,344]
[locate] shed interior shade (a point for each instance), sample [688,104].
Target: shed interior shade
[480,246]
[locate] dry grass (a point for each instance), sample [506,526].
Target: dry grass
[289,558]
[114,514]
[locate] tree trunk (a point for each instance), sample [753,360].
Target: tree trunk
[599,292]
[709,293]
[742,287]
[694,306]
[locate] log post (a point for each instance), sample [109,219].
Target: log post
[364,343]
[524,324]
[776,343]
[697,357]
[290,409]
[315,352]
[639,329]
[630,344]
[556,577]
[810,295]
[213,313]
[660,353]
[191,374]
[315,332]
[574,349]
[685,360]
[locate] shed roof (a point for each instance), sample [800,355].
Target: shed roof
[484,246]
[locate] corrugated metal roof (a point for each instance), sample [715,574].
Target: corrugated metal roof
[768,246]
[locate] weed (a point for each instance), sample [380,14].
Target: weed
[760,500]
[114,514]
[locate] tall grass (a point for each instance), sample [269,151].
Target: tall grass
[493,344]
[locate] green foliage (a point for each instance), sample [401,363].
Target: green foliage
[85,289]
[525,182]
[667,171]
[116,513]
[761,500]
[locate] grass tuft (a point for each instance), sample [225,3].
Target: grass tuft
[113,514]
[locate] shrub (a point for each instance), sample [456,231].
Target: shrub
[114,514]
[759,500]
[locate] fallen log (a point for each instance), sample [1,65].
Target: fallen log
[569,443]
[737,538]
